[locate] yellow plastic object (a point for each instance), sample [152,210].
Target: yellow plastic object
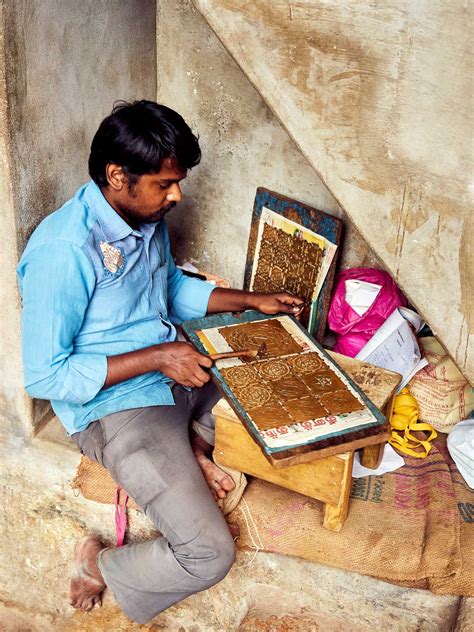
[404,421]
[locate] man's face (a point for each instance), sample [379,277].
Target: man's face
[149,198]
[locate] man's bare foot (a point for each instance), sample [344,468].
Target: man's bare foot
[219,482]
[87,584]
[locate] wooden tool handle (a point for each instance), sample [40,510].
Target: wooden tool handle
[234,354]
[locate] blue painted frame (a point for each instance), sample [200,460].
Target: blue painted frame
[319,222]
[222,320]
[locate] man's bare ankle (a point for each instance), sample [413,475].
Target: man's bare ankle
[200,446]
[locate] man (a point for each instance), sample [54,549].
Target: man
[101,297]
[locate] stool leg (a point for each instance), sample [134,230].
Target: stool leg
[335,515]
[372,455]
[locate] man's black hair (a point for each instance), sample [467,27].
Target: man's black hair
[139,136]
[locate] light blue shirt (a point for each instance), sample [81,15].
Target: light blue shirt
[93,287]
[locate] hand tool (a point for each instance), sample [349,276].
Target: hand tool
[251,353]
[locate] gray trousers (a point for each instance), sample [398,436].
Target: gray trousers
[147,451]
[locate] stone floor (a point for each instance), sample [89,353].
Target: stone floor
[42,519]
[272,593]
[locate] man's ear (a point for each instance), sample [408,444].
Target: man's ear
[116,178]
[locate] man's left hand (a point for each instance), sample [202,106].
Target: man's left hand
[227,300]
[278,302]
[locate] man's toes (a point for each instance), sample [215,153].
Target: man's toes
[227,483]
[78,603]
[221,493]
[87,604]
[224,482]
[97,600]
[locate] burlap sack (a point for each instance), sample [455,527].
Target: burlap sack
[463,582]
[403,527]
[442,392]
[95,483]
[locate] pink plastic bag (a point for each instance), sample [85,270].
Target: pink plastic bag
[355,331]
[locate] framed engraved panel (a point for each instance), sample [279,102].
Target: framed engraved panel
[293,247]
[293,400]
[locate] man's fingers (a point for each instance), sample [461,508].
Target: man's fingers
[205,361]
[201,375]
[292,300]
[294,304]
[186,382]
[290,309]
[198,382]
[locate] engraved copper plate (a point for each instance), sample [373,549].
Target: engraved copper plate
[271,416]
[254,395]
[251,336]
[323,382]
[293,387]
[307,363]
[286,262]
[340,402]
[305,408]
[274,369]
[289,388]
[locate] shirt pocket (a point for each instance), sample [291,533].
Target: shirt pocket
[119,301]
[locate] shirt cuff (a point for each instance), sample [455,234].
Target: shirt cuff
[86,376]
[192,299]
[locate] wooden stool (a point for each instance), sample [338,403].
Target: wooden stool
[328,479]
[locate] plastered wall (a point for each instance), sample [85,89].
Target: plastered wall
[14,404]
[64,64]
[379,98]
[243,145]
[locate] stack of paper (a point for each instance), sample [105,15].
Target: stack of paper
[394,345]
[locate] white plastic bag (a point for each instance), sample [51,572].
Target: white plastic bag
[461,448]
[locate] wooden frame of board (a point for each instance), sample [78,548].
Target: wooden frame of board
[318,222]
[338,442]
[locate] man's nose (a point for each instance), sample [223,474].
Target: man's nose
[175,194]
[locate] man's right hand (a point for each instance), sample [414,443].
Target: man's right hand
[178,360]
[182,363]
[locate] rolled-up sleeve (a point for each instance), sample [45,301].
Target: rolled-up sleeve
[187,297]
[56,284]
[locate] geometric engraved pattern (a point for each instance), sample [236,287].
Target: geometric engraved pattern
[251,336]
[307,364]
[286,262]
[289,390]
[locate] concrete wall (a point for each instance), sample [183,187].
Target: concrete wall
[14,403]
[243,145]
[378,96]
[65,63]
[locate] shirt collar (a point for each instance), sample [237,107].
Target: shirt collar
[113,226]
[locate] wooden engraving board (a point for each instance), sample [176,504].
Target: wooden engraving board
[294,402]
[293,247]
